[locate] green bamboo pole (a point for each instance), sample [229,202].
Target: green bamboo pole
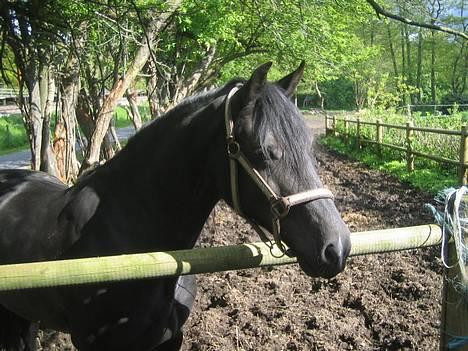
[200,260]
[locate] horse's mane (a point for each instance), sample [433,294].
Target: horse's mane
[274,114]
[195,102]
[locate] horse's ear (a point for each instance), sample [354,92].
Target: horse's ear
[243,104]
[256,83]
[291,81]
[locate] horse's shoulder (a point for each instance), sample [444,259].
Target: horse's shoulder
[80,207]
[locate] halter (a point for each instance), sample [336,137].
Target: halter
[279,205]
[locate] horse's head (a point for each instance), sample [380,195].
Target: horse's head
[273,176]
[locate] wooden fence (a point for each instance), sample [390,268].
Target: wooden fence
[460,163]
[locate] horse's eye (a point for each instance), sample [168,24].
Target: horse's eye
[275,153]
[259,156]
[271,154]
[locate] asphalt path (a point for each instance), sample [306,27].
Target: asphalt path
[22,159]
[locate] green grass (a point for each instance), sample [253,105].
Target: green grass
[13,134]
[431,179]
[123,120]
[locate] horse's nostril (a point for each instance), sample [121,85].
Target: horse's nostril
[331,254]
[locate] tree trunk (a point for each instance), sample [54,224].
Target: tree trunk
[65,129]
[403,55]
[359,94]
[31,110]
[419,67]
[134,112]
[392,51]
[319,93]
[188,85]
[141,57]
[47,92]
[433,76]
[152,89]
[458,80]
[84,116]
[408,56]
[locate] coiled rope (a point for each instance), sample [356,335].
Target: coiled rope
[454,221]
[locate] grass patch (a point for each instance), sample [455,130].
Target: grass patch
[431,179]
[12,134]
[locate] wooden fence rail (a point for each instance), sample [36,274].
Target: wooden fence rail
[408,149]
[194,261]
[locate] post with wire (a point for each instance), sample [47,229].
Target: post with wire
[454,319]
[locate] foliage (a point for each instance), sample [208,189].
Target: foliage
[431,179]
[338,94]
[403,64]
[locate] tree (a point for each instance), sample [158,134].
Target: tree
[152,28]
[433,26]
[32,44]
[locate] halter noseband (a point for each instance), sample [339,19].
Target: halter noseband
[279,205]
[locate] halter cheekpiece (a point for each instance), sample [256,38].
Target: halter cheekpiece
[279,205]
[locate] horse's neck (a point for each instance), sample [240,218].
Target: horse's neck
[168,172]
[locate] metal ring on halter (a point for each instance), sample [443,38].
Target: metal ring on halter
[279,205]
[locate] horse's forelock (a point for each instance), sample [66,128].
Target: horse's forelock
[277,115]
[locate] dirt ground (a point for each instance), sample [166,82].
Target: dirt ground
[380,302]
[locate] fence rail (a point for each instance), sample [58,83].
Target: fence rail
[461,162]
[11,93]
[200,260]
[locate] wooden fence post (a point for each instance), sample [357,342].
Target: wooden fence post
[358,133]
[409,147]
[379,136]
[334,125]
[327,131]
[454,318]
[463,156]
[346,129]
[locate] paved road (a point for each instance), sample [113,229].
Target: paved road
[22,159]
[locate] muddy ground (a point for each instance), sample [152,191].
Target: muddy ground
[380,302]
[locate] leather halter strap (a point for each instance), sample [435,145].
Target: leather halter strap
[279,205]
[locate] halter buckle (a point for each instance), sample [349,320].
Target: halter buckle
[279,207]
[233,148]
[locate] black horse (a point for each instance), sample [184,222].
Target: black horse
[156,195]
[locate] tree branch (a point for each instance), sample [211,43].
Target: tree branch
[381,11]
